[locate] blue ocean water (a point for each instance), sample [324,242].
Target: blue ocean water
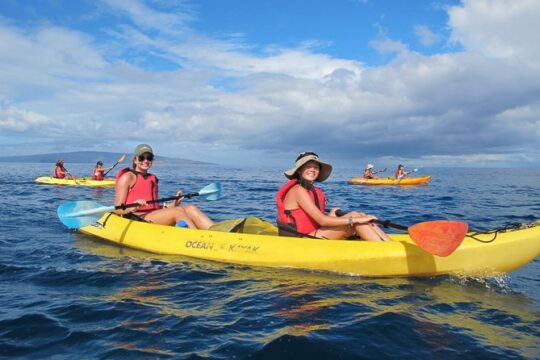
[67,295]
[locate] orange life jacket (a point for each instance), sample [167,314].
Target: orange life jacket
[58,173]
[298,219]
[146,187]
[98,174]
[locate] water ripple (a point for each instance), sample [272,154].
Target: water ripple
[66,295]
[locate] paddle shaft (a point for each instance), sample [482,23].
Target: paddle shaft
[385,223]
[73,177]
[187,196]
[388,224]
[119,161]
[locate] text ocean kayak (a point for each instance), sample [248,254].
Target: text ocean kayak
[77,182]
[401,257]
[390,181]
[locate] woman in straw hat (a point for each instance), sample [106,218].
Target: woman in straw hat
[137,185]
[301,206]
[368,172]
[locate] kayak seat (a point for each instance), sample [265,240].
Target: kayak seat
[247,225]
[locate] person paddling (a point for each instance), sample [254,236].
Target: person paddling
[400,172]
[60,172]
[99,171]
[301,206]
[137,185]
[368,172]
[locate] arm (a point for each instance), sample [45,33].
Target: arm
[176,202]
[304,201]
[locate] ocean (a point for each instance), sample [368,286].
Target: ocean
[64,295]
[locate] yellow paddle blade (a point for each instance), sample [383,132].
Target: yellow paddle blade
[440,237]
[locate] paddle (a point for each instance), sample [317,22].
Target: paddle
[77,214]
[438,237]
[72,177]
[119,161]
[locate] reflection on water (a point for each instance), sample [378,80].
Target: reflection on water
[301,303]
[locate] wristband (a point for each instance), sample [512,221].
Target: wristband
[350,221]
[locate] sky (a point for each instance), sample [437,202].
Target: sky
[426,83]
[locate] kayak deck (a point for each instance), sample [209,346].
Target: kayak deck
[400,257]
[390,181]
[83,181]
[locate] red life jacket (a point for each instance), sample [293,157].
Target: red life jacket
[146,187]
[297,218]
[58,173]
[98,174]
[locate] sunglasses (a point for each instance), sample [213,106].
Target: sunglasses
[148,157]
[306,153]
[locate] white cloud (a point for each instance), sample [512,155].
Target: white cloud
[455,107]
[386,45]
[498,28]
[426,36]
[149,18]
[17,120]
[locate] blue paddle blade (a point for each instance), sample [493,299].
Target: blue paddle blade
[211,192]
[73,214]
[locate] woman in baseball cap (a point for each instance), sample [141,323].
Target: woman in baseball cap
[138,185]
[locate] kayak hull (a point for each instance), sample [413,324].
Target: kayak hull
[49,180]
[390,181]
[400,257]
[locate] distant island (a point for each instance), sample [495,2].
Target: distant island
[85,157]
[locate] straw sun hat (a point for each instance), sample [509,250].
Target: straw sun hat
[324,173]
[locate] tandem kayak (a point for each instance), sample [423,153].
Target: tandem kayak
[390,181]
[510,250]
[84,181]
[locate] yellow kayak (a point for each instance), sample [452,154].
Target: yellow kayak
[390,181]
[401,257]
[85,181]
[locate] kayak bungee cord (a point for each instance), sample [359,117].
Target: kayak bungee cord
[495,232]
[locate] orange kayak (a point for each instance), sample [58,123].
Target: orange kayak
[390,181]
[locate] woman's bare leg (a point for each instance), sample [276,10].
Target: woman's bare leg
[369,232]
[382,235]
[168,216]
[333,233]
[200,219]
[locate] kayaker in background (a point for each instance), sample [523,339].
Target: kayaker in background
[137,185]
[301,206]
[99,171]
[368,172]
[60,172]
[400,172]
